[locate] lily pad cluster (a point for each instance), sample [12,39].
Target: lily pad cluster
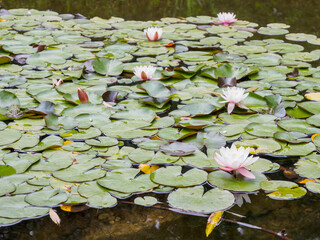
[150,137]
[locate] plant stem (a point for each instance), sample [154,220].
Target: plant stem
[259,228]
[280,235]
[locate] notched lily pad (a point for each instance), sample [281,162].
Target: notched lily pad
[194,199]
[172,176]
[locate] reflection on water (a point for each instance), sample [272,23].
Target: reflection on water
[302,15]
[299,217]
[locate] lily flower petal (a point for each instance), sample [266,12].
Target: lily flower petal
[153,33]
[245,172]
[83,96]
[145,72]
[234,96]
[230,107]
[236,159]
[226,19]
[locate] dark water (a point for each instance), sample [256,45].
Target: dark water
[299,217]
[302,15]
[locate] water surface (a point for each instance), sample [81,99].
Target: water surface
[299,217]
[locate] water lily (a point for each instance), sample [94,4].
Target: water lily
[226,19]
[144,72]
[153,33]
[55,82]
[235,159]
[83,96]
[234,96]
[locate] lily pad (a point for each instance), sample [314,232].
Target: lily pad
[145,201]
[226,181]
[172,176]
[195,200]
[126,180]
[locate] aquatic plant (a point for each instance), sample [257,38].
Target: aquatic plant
[226,19]
[236,159]
[144,72]
[147,137]
[233,96]
[153,33]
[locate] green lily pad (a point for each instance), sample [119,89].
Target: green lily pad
[200,160]
[309,168]
[107,67]
[126,180]
[287,193]
[198,109]
[301,149]
[297,125]
[7,187]
[312,107]
[172,176]
[267,145]
[80,173]
[8,99]
[142,114]
[16,207]
[313,187]
[58,160]
[47,197]
[140,155]
[9,136]
[262,129]
[102,142]
[146,201]
[226,181]
[274,185]
[292,137]
[82,134]
[300,37]
[20,162]
[272,31]
[195,200]
[97,196]
[48,142]
[116,164]
[178,149]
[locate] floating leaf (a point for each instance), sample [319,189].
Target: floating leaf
[195,200]
[126,180]
[145,201]
[172,176]
[226,181]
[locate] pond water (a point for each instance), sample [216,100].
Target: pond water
[302,15]
[299,217]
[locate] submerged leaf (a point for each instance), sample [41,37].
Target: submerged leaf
[213,220]
[54,217]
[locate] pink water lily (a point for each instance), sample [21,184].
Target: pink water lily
[235,159]
[145,72]
[55,82]
[83,96]
[226,19]
[233,96]
[153,33]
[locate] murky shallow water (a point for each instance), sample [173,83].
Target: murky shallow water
[299,217]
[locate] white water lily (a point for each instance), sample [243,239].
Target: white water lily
[153,33]
[234,96]
[144,72]
[226,19]
[235,159]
